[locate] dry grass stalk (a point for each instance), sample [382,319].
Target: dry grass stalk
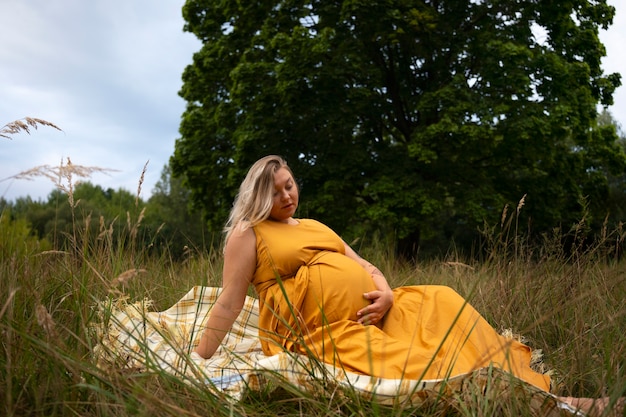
[504,213]
[8,302]
[106,231]
[44,319]
[459,264]
[124,277]
[135,228]
[24,125]
[521,203]
[102,225]
[52,252]
[160,227]
[141,178]
[57,173]
[87,221]
[141,216]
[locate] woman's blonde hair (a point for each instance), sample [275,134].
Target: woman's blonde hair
[253,203]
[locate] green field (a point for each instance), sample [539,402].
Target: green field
[570,303]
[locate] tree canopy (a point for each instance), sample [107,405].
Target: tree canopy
[419,119]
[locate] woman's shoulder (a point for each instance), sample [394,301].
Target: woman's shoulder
[240,234]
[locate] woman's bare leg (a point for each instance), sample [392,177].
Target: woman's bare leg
[596,406]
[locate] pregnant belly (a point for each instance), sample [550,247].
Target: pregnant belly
[335,290]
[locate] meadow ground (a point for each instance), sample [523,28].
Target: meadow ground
[571,305]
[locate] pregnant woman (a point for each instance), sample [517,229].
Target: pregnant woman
[318,297]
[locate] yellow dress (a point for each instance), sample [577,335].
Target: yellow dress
[309,294]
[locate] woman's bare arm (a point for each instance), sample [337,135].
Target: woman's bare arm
[381,300]
[239,266]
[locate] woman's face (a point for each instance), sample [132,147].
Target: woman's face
[285,198]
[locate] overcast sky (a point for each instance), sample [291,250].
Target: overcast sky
[108,73]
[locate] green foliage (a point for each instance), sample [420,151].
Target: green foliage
[56,218]
[417,119]
[16,237]
[616,204]
[164,224]
[170,219]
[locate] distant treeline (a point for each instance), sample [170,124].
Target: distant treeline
[165,223]
[168,224]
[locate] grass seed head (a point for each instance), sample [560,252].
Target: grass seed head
[24,125]
[124,277]
[44,319]
[521,203]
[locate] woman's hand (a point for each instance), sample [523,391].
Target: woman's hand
[381,302]
[381,299]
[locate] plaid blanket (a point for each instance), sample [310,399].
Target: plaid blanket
[132,337]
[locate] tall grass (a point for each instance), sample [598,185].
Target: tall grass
[571,304]
[24,125]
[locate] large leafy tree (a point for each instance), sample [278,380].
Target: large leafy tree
[418,118]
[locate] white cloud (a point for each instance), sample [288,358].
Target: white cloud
[107,72]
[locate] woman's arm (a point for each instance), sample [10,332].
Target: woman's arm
[381,300]
[239,266]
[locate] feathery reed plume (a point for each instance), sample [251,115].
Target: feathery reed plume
[143,173]
[135,228]
[101,226]
[67,174]
[44,319]
[459,264]
[56,173]
[52,252]
[521,203]
[504,213]
[126,276]
[106,231]
[24,125]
